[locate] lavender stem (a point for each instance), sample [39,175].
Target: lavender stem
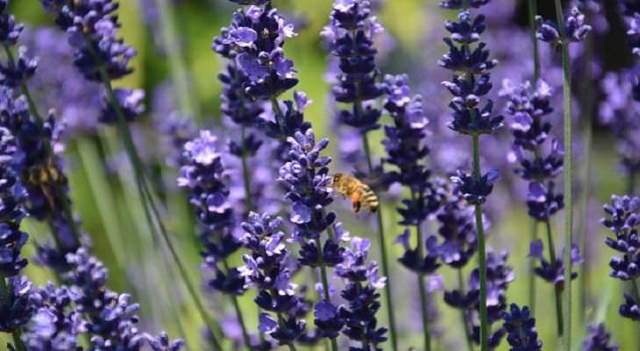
[463,314]
[558,296]
[383,251]
[586,183]
[150,208]
[568,171]
[482,264]
[533,236]
[533,11]
[424,306]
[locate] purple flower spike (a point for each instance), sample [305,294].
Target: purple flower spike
[598,339]
[575,28]
[203,174]
[350,38]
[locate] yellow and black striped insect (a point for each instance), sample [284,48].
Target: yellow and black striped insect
[357,191]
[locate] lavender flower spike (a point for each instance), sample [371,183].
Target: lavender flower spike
[100,55]
[623,220]
[267,267]
[521,329]
[350,36]
[598,339]
[468,59]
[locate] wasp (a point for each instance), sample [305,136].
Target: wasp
[356,190]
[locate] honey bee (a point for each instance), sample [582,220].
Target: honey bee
[359,192]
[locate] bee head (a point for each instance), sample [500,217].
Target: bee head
[336,178]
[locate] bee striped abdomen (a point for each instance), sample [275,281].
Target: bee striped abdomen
[358,192]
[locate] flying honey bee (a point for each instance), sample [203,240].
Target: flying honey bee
[359,192]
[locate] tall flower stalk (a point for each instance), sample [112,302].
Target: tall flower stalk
[532,9]
[561,34]
[203,175]
[540,159]
[15,312]
[350,38]
[101,56]
[306,178]
[407,151]
[468,59]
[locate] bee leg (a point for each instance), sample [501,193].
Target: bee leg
[356,206]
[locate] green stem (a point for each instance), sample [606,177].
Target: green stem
[533,236]
[568,172]
[103,196]
[424,306]
[179,74]
[148,202]
[5,299]
[383,253]
[588,101]
[248,201]
[556,288]
[325,286]
[533,11]
[279,115]
[463,315]
[236,306]
[482,264]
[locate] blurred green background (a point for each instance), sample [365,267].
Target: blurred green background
[135,261]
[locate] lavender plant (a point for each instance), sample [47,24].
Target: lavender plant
[406,150]
[468,58]
[566,30]
[350,37]
[203,175]
[540,159]
[261,181]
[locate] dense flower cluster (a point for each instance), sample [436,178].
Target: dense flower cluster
[405,147]
[268,268]
[306,177]
[350,37]
[203,175]
[468,59]
[56,324]
[575,29]
[12,195]
[99,54]
[457,231]
[552,270]
[254,41]
[258,71]
[16,306]
[521,329]
[538,155]
[406,150]
[623,219]
[361,295]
